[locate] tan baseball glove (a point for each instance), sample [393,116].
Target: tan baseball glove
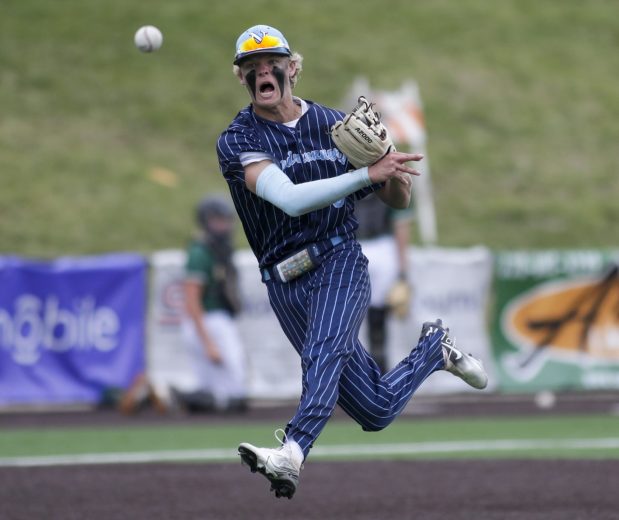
[361,136]
[399,299]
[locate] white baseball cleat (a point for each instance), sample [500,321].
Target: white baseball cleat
[465,366]
[281,466]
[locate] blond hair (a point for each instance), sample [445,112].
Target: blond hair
[295,58]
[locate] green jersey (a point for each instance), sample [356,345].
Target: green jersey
[218,277]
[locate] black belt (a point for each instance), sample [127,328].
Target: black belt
[318,248]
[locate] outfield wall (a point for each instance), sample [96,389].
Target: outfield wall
[539,320]
[452,284]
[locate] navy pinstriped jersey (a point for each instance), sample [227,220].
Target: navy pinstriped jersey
[304,153]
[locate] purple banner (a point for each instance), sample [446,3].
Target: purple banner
[70,329]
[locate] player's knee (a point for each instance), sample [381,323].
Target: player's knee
[376,424]
[373,427]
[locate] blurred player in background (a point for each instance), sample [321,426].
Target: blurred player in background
[294,191]
[212,300]
[138,396]
[384,235]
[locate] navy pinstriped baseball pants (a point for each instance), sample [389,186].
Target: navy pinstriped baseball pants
[321,314]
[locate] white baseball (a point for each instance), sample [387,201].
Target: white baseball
[148,38]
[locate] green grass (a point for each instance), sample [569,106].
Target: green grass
[80,440]
[520,98]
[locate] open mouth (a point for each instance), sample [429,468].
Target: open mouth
[267,88]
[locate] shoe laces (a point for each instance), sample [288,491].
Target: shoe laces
[280,436]
[451,352]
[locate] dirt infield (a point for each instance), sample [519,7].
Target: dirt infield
[425,490]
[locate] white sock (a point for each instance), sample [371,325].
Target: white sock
[296,451]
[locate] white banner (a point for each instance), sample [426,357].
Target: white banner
[168,361]
[452,284]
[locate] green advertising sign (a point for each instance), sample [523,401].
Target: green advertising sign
[556,320]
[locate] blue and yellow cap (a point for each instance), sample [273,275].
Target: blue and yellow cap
[259,39]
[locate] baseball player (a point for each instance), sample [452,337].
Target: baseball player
[294,191]
[211,300]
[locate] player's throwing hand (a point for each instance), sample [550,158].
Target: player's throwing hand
[393,165]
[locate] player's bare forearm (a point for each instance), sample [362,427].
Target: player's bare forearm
[396,192]
[394,171]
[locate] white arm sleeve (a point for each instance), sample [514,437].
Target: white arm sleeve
[297,199]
